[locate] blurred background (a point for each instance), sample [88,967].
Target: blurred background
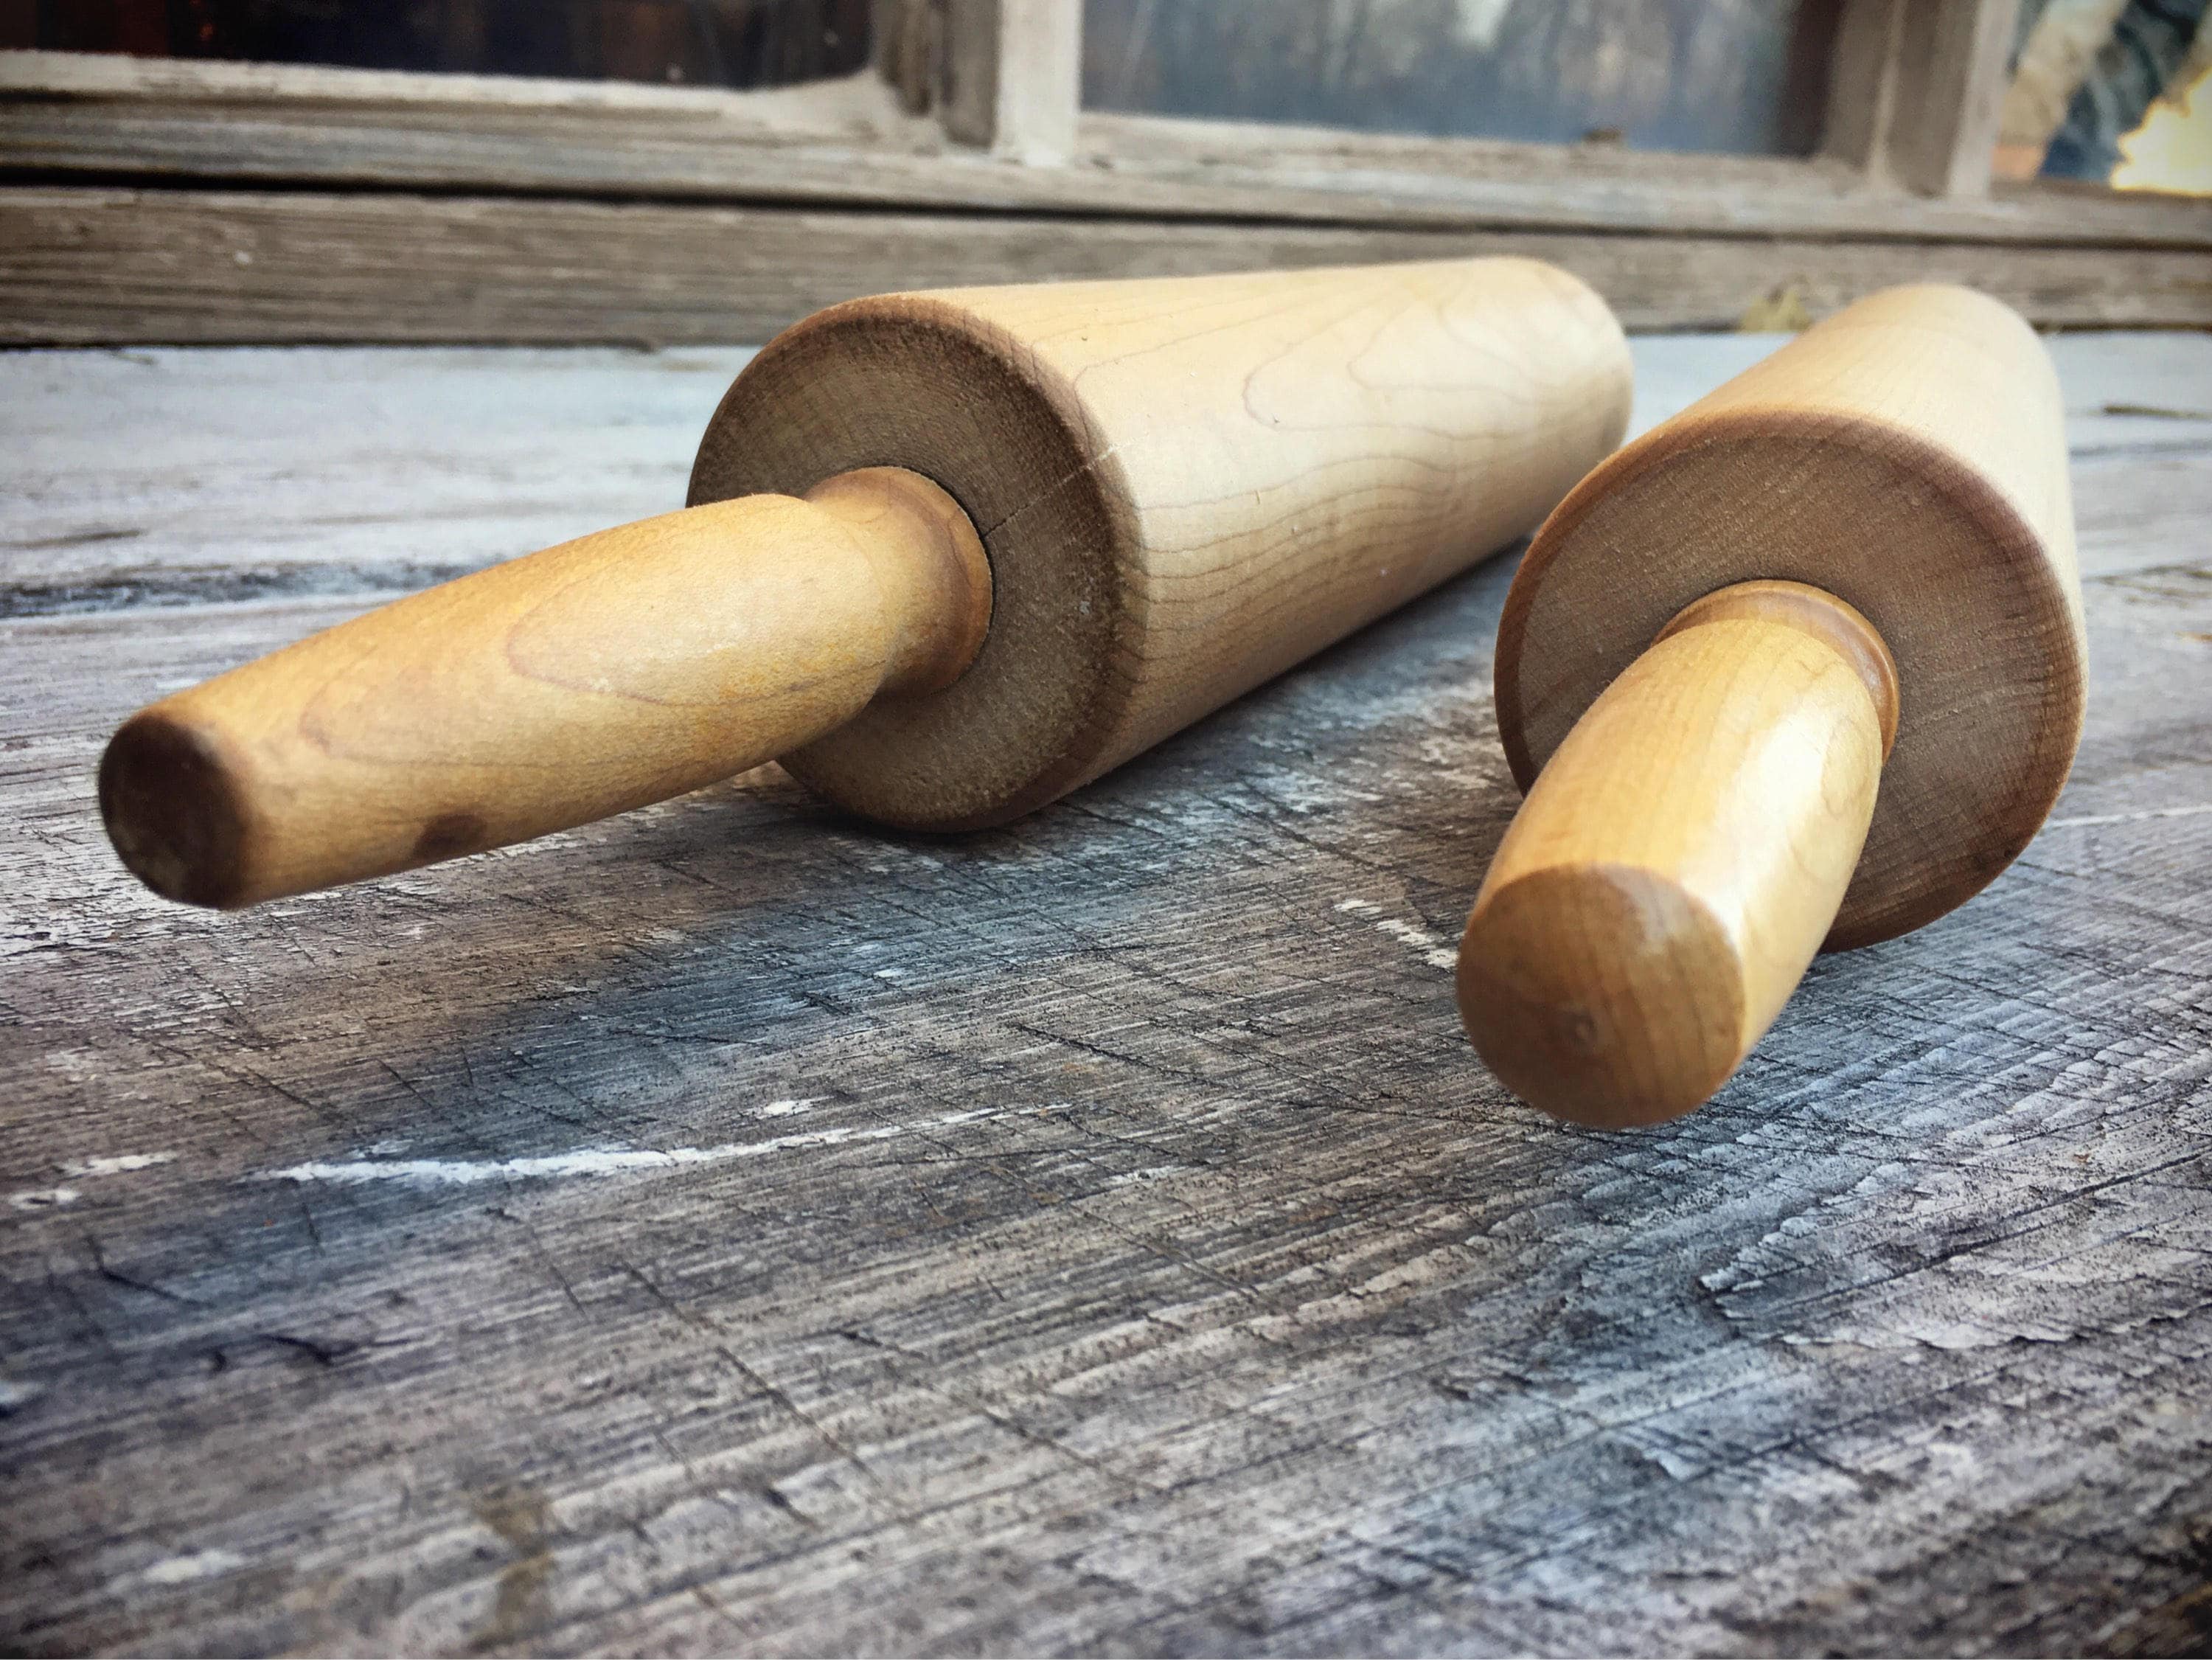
[727,43]
[2100,89]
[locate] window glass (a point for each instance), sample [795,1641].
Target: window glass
[1670,75]
[729,43]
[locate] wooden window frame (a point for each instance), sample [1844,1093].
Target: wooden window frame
[150,199]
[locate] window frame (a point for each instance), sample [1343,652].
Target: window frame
[972,109]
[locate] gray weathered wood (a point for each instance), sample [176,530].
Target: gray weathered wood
[1861,83]
[600,213]
[1013,77]
[86,265]
[727,1229]
[852,144]
[907,44]
[243,486]
[1953,58]
[1916,89]
[223,501]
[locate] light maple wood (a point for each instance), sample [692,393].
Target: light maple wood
[1908,456]
[1182,487]
[1680,858]
[610,671]
[1185,486]
[1907,459]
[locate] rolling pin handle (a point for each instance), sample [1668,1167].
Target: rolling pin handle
[616,670]
[1681,857]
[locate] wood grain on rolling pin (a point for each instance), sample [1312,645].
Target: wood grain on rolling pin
[618,669]
[1184,486]
[1158,494]
[1907,455]
[1680,858]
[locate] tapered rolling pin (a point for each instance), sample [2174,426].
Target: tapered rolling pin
[950,556]
[1803,665]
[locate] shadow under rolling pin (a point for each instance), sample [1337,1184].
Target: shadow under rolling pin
[951,554]
[1802,666]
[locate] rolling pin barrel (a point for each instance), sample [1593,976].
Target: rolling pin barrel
[949,555]
[1801,667]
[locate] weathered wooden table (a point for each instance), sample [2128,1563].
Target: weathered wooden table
[729,1228]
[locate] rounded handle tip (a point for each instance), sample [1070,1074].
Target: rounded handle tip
[174,811]
[1604,995]
[1681,857]
[621,668]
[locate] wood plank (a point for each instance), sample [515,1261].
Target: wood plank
[1149,1266]
[1861,83]
[907,43]
[1013,77]
[2141,513]
[852,144]
[243,487]
[113,267]
[1952,63]
[1916,89]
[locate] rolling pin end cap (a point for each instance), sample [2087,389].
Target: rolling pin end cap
[1606,995]
[174,812]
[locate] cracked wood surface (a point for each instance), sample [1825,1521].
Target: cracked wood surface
[729,1229]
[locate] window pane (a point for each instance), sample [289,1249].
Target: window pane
[1681,74]
[730,43]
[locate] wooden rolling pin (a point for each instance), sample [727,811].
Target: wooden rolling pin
[1803,665]
[950,556]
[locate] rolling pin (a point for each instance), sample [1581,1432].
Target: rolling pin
[948,556]
[1801,667]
